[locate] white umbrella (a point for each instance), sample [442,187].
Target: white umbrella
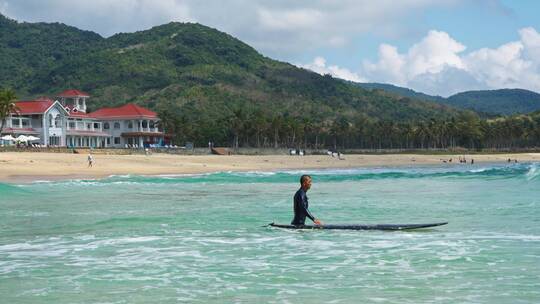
[32,138]
[21,138]
[8,137]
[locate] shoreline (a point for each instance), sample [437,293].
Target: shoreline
[28,167]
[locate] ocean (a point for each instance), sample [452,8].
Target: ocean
[203,239]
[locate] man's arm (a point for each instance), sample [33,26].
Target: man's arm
[308,214]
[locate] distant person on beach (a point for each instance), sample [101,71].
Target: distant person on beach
[90,160]
[301,205]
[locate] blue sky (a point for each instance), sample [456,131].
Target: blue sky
[435,46]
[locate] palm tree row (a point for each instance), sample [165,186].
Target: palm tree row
[356,131]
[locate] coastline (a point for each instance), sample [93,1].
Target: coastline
[26,167]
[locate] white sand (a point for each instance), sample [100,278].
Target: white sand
[29,166]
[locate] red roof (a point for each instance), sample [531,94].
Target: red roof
[73,93]
[33,106]
[79,115]
[126,111]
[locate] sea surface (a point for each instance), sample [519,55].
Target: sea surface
[202,238]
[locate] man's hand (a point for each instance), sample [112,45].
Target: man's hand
[317,222]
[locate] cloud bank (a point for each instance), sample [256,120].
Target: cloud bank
[439,65]
[275,27]
[283,29]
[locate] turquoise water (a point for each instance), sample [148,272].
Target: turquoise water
[198,239]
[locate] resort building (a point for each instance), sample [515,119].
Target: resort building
[65,122]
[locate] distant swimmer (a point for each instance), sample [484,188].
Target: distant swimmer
[301,205]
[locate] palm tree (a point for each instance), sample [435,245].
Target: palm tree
[237,123]
[7,106]
[275,123]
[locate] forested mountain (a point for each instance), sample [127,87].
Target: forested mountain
[400,91]
[504,101]
[203,82]
[207,85]
[494,102]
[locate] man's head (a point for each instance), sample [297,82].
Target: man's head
[305,182]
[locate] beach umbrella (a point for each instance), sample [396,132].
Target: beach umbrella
[21,138]
[8,137]
[32,138]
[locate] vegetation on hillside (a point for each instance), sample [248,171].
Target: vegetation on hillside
[487,103]
[504,101]
[209,86]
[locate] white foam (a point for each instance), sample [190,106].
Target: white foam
[533,172]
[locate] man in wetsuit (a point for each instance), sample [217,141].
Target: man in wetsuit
[301,205]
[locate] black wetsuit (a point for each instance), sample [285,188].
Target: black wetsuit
[300,207]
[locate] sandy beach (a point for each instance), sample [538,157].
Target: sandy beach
[28,166]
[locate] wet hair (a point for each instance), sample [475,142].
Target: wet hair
[304,178]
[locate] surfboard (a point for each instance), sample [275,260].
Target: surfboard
[362,226]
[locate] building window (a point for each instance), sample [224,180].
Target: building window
[88,126]
[130,124]
[117,140]
[96,125]
[108,140]
[117,125]
[58,121]
[51,119]
[152,124]
[25,123]
[106,126]
[72,125]
[144,124]
[54,140]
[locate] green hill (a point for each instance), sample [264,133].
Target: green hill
[204,83]
[505,101]
[400,91]
[487,102]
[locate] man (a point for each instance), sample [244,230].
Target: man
[90,160]
[301,205]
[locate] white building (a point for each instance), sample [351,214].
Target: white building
[64,122]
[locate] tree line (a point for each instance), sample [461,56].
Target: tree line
[259,129]
[242,126]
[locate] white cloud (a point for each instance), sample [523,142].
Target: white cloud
[531,42]
[282,29]
[319,66]
[297,19]
[432,55]
[278,28]
[4,6]
[437,65]
[103,16]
